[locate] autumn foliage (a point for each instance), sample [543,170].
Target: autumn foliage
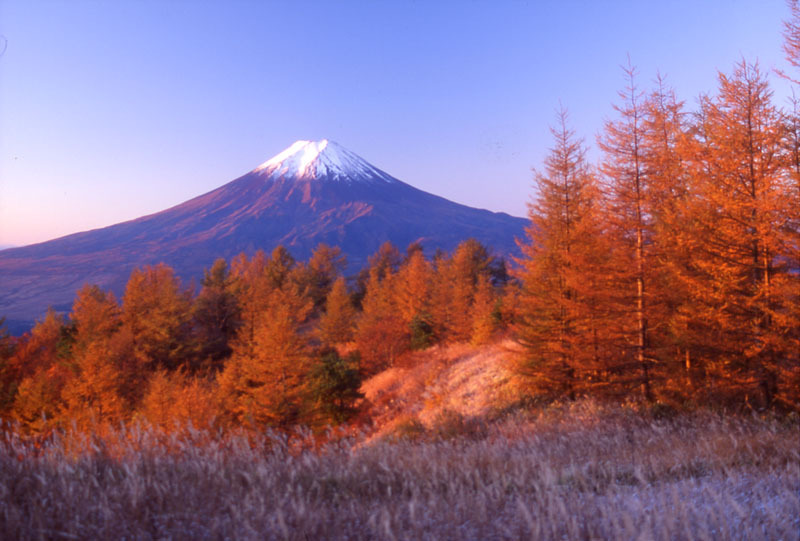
[669,273]
[678,280]
[267,341]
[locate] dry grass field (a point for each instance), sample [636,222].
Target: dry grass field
[579,471]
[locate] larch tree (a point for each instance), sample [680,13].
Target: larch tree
[413,297]
[174,399]
[96,316]
[630,217]
[791,37]
[9,374]
[789,393]
[558,318]
[337,323]
[251,286]
[280,266]
[664,146]
[95,391]
[324,267]
[43,361]
[95,394]
[264,381]
[384,262]
[745,277]
[456,282]
[381,333]
[156,311]
[485,318]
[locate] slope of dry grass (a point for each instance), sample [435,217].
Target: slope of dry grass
[442,384]
[579,471]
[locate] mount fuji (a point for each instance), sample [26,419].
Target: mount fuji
[312,192]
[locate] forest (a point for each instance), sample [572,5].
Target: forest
[667,273]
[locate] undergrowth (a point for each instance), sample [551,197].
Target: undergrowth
[578,471]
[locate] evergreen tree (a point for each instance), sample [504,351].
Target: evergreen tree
[335,383]
[217,314]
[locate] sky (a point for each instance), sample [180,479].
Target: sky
[113,110]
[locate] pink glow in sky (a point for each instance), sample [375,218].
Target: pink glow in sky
[113,110]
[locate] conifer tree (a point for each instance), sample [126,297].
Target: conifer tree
[456,282]
[96,316]
[413,297]
[217,314]
[789,393]
[43,361]
[336,325]
[175,399]
[381,333]
[156,312]
[94,391]
[665,143]
[324,266]
[743,285]
[384,262]
[791,36]
[334,382]
[484,312]
[630,219]
[279,267]
[9,373]
[559,319]
[263,382]
[251,286]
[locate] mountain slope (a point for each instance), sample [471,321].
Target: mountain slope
[310,193]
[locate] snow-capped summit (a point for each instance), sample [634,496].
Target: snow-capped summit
[322,159]
[313,192]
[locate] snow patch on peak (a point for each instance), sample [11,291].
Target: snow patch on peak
[321,159]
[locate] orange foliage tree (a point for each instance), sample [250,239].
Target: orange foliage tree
[96,389]
[156,312]
[337,323]
[559,318]
[263,384]
[457,279]
[42,362]
[743,287]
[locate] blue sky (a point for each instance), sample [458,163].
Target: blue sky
[113,110]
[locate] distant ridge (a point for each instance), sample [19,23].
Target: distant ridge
[312,192]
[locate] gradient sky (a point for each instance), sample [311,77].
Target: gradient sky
[112,110]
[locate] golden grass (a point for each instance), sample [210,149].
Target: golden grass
[443,381]
[579,471]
